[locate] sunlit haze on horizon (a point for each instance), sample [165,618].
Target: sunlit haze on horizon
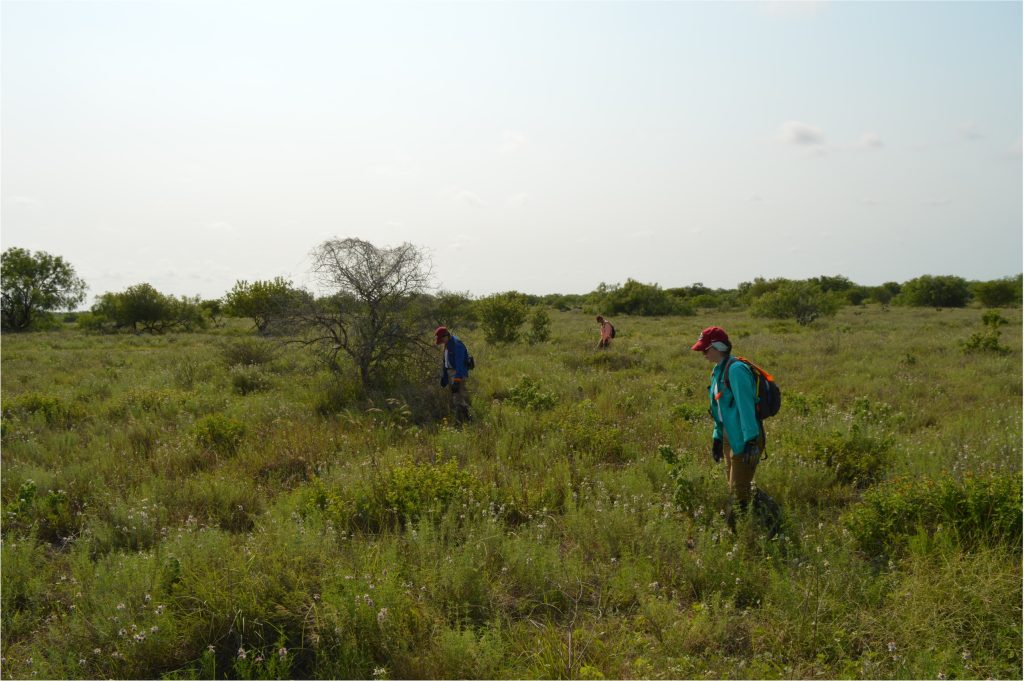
[544,147]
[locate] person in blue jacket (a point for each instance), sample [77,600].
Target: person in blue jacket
[455,371]
[738,436]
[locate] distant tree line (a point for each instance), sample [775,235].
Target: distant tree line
[376,294]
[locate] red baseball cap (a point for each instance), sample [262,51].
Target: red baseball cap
[441,331]
[709,336]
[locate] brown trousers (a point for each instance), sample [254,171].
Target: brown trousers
[739,472]
[460,402]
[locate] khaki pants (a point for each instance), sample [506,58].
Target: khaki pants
[739,472]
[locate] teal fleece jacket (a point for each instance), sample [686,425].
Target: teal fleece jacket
[732,407]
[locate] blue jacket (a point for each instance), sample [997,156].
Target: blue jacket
[732,407]
[456,357]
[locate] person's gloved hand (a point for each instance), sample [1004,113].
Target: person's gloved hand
[751,451]
[456,385]
[717,451]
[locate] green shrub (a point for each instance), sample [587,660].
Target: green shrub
[647,300]
[1005,292]
[980,511]
[140,401]
[934,291]
[855,456]
[691,490]
[246,379]
[54,410]
[984,341]
[800,300]
[50,516]
[248,351]
[219,433]
[337,395]
[540,326]
[691,412]
[501,315]
[993,319]
[527,394]
[455,309]
[398,496]
[587,435]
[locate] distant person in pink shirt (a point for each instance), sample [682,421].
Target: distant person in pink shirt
[607,332]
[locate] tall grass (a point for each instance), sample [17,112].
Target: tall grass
[208,506]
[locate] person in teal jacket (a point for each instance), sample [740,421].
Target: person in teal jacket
[738,431]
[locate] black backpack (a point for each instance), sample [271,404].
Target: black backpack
[767,393]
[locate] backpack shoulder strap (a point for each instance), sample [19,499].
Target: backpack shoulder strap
[725,371]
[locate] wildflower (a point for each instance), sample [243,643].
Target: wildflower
[966,655]
[96,651]
[892,646]
[123,632]
[120,606]
[282,651]
[210,648]
[81,661]
[258,658]
[942,676]
[160,609]
[241,653]
[153,629]
[380,616]
[147,598]
[139,637]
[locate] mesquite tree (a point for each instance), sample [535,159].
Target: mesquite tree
[372,311]
[34,284]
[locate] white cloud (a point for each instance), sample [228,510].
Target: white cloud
[969,131]
[512,141]
[462,195]
[400,167]
[220,226]
[24,201]
[801,134]
[870,140]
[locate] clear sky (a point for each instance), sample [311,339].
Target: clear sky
[538,146]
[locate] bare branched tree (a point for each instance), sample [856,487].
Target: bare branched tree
[370,311]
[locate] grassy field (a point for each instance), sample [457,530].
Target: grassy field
[210,506]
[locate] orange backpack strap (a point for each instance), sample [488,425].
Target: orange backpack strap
[759,370]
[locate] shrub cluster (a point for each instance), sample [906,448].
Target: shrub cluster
[528,394]
[219,433]
[979,511]
[54,410]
